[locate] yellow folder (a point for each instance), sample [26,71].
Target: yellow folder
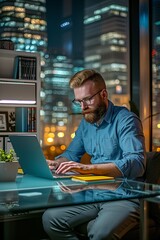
[91,178]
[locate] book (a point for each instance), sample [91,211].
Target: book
[31,118]
[91,178]
[25,68]
[21,119]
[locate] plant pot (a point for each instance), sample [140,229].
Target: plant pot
[8,171]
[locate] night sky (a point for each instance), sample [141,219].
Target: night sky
[53,14]
[53,20]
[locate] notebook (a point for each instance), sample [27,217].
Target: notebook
[91,178]
[31,158]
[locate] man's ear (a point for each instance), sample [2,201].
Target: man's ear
[104,94]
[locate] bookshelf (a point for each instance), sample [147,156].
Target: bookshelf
[19,94]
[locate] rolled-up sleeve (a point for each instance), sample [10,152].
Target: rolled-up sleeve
[132,143]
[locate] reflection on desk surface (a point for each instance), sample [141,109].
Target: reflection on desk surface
[26,182]
[30,193]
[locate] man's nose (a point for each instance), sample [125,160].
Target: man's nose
[83,105]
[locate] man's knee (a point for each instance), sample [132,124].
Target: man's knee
[46,220]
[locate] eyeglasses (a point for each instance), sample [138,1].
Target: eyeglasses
[87,100]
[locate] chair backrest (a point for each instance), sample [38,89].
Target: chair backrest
[152,175]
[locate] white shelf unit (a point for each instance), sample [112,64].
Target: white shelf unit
[18,96]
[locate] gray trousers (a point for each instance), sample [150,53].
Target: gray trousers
[104,221]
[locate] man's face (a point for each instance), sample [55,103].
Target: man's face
[94,107]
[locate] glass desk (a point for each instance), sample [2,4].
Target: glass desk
[29,194]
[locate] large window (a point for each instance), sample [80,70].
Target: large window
[156,75]
[149,71]
[103,30]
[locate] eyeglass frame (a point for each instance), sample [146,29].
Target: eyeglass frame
[84,101]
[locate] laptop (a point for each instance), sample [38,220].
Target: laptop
[31,157]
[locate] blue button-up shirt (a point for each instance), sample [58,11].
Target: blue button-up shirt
[118,139]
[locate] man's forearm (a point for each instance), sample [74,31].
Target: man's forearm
[108,169]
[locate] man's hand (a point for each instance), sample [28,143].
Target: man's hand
[81,187]
[109,169]
[54,164]
[71,166]
[72,188]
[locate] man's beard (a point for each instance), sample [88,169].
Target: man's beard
[95,114]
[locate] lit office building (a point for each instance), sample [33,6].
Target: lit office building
[64,58]
[24,23]
[56,107]
[57,72]
[106,44]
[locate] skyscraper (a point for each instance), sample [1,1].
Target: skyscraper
[65,27]
[63,59]
[56,105]
[24,22]
[106,42]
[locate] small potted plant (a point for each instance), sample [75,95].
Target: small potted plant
[8,165]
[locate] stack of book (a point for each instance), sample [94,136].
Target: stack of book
[25,119]
[25,68]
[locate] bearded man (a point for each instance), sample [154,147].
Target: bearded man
[113,137]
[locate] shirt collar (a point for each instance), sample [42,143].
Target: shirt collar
[109,113]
